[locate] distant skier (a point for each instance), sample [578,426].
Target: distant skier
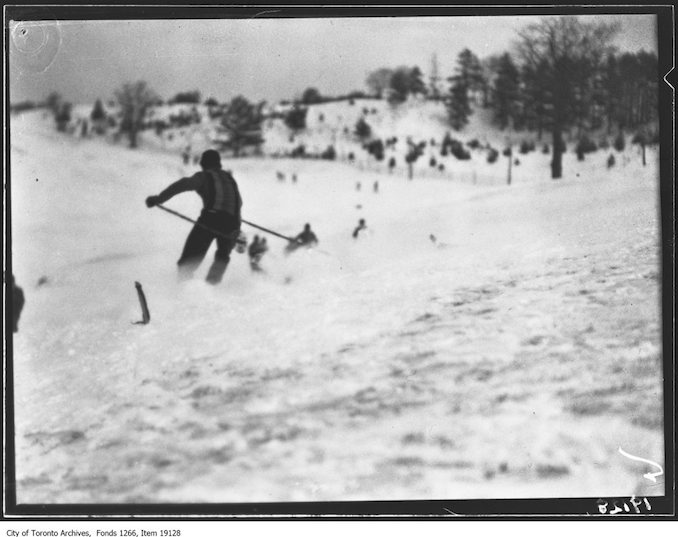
[610,161]
[376,187]
[306,238]
[361,227]
[18,302]
[219,219]
[256,251]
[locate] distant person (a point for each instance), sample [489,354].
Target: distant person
[256,251]
[294,177]
[376,187]
[186,156]
[306,238]
[357,186]
[18,302]
[219,219]
[610,161]
[361,227]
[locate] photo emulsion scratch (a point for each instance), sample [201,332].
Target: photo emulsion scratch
[380,259]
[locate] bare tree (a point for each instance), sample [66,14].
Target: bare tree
[564,51]
[134,99]
[379,81]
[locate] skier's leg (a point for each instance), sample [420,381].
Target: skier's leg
[197,244]
[221,259]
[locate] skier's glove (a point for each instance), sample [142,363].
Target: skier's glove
[152,201]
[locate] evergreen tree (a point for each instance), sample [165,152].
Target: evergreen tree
[415,83]
[53,102]
[506,99]
[242,123]
[470,73]
[295,119]
[311,96]
[399,86]
[98,113]
[362,129]
[610,86]
[534,96]
[63,116]
[458,107]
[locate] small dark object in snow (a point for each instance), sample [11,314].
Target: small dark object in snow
[361,227]
[144,306]
[43,280]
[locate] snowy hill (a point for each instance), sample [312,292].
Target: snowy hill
[333,124]
[510,357]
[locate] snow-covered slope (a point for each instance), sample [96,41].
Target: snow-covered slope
[511,357]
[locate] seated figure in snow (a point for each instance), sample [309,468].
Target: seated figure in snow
[306,238]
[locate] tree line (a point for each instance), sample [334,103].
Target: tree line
[563,75]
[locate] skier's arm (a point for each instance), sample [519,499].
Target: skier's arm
[185,184]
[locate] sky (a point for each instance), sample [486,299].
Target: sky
[263,59]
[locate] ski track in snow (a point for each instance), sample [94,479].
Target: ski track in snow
[512,360]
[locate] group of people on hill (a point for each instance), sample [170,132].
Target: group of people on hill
[220,220]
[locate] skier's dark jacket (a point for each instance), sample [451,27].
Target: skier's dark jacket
[216,187]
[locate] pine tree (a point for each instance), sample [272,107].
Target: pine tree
[399,85]
[458,107]
[416,85]
[534,98]
[311,96]
[506,100]
[295,119]
[98,113]
[242,123]
[470,73]
[362,129]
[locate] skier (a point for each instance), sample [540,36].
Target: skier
[18,302]
[256,251]
[361,227]
[305,238]
[219,219]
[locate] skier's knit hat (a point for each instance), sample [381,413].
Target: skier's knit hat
[210,159]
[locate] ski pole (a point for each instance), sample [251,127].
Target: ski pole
[194,222]
[175,213]
[269,231]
